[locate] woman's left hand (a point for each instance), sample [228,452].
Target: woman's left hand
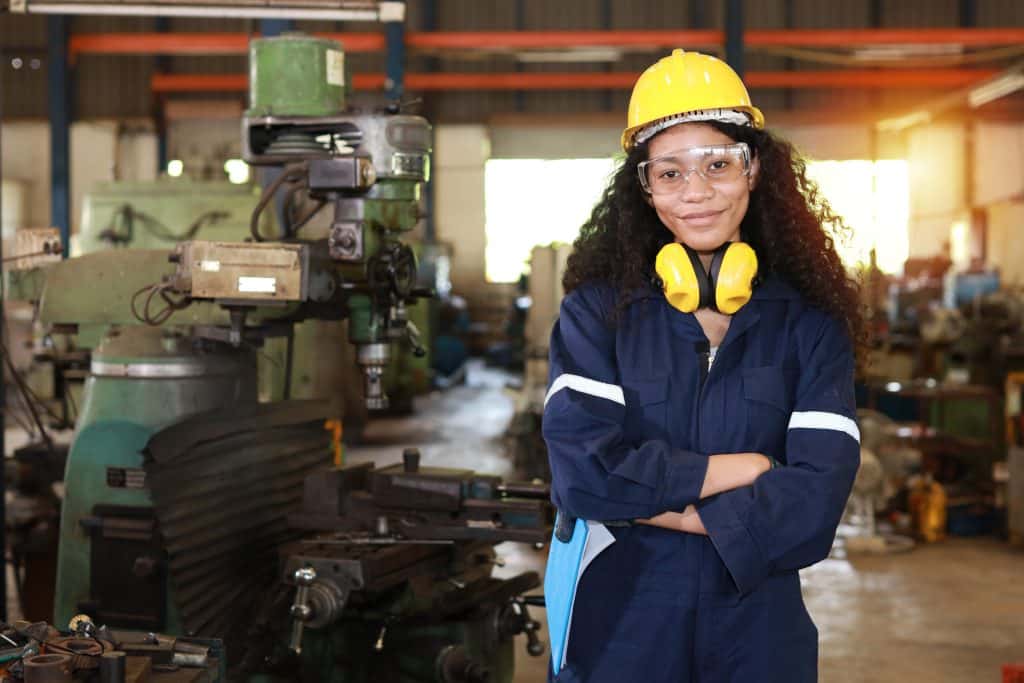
[687,521]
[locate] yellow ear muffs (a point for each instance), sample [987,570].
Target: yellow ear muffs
[727,287]
[680,279]
[734,279]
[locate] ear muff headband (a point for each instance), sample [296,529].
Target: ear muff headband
[726,287]
[705,284]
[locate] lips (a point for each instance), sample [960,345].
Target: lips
[701,217]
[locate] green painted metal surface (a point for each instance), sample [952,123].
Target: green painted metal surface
[162,213]
[296,75]
[118,416]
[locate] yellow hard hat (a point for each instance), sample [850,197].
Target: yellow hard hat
[687,83]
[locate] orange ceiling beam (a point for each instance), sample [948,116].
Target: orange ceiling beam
[196,44]
[237,43]
[859,37]
[850,78]
[556,40]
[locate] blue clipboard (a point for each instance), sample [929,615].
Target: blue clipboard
[566,563]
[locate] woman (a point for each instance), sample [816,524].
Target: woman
[700,421]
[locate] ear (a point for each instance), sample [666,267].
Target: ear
[755,173]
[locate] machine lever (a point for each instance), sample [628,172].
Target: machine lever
[301,611]
[414,339]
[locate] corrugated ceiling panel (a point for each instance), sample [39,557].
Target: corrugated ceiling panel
[579,15]
[921,13]
[21,29]
[1000,13]
[663,14]
[23,90]
[119,85]
[817,14]
[99,95]
[473,15]
[220,64]
[87,24]
[764,14]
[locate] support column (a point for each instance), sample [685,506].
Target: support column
[428,11]
[394,72]
[734,35]
[275,27]
[60,110]
[162,64]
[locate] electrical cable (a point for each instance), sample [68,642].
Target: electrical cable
[163,289]
[19,383]
[293,228]
[127,215]
[291,173]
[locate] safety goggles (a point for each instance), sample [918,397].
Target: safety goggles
[716,164]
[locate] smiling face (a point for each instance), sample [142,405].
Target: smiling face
[702,215]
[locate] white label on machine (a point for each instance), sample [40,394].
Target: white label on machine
[335,67]
[209,266]
[257,285]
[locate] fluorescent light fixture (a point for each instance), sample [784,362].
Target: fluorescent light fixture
[883,53]
[898,123]
[587,55]
[1001,86]
[175,167]
[344,11]
[237,170]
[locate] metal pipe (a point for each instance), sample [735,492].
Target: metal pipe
[221,12]
[847,78]
[196,44]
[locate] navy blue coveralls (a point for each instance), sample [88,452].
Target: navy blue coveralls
[631,416]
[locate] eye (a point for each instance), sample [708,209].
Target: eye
[719,166]
[669,173]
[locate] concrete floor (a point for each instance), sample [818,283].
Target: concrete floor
[946,613]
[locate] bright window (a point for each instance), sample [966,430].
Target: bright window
[531,202]
[873,197]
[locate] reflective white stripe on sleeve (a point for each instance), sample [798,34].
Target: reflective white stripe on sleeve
[814,419]
[612,392]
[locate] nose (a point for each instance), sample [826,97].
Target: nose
[696,187]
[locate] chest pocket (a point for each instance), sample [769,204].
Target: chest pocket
[768,396]
[646,407]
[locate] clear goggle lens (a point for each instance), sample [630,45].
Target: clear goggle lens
[717,164]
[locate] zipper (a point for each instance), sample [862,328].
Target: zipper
[703,350]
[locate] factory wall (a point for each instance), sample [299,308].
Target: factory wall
[461,152]
[943,187]
[999,186]
[100,150]
[937,185]
[1005,246]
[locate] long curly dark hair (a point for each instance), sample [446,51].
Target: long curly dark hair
[785,223]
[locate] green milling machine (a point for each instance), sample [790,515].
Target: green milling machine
[193,508]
